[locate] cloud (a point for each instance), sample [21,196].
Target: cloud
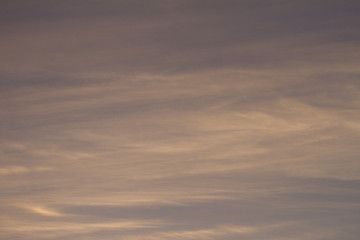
[219,118]
[211,233]
[12,170]
[167,37]
[47,230]
[226,231]
[43,211]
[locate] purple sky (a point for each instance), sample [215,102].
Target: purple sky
[179,120]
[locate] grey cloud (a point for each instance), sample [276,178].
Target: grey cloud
[194,33]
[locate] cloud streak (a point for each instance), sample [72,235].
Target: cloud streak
[10,170]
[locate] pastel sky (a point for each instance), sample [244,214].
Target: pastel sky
[179,119]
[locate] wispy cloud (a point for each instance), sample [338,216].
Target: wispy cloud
[222,119]
[65,229]
[43,211]
[225,230]
[211,233]
[11,170]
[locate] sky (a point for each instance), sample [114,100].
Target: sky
[179,119]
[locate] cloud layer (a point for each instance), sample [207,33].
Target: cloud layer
[179,120]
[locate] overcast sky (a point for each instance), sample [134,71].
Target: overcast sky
[179,119]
